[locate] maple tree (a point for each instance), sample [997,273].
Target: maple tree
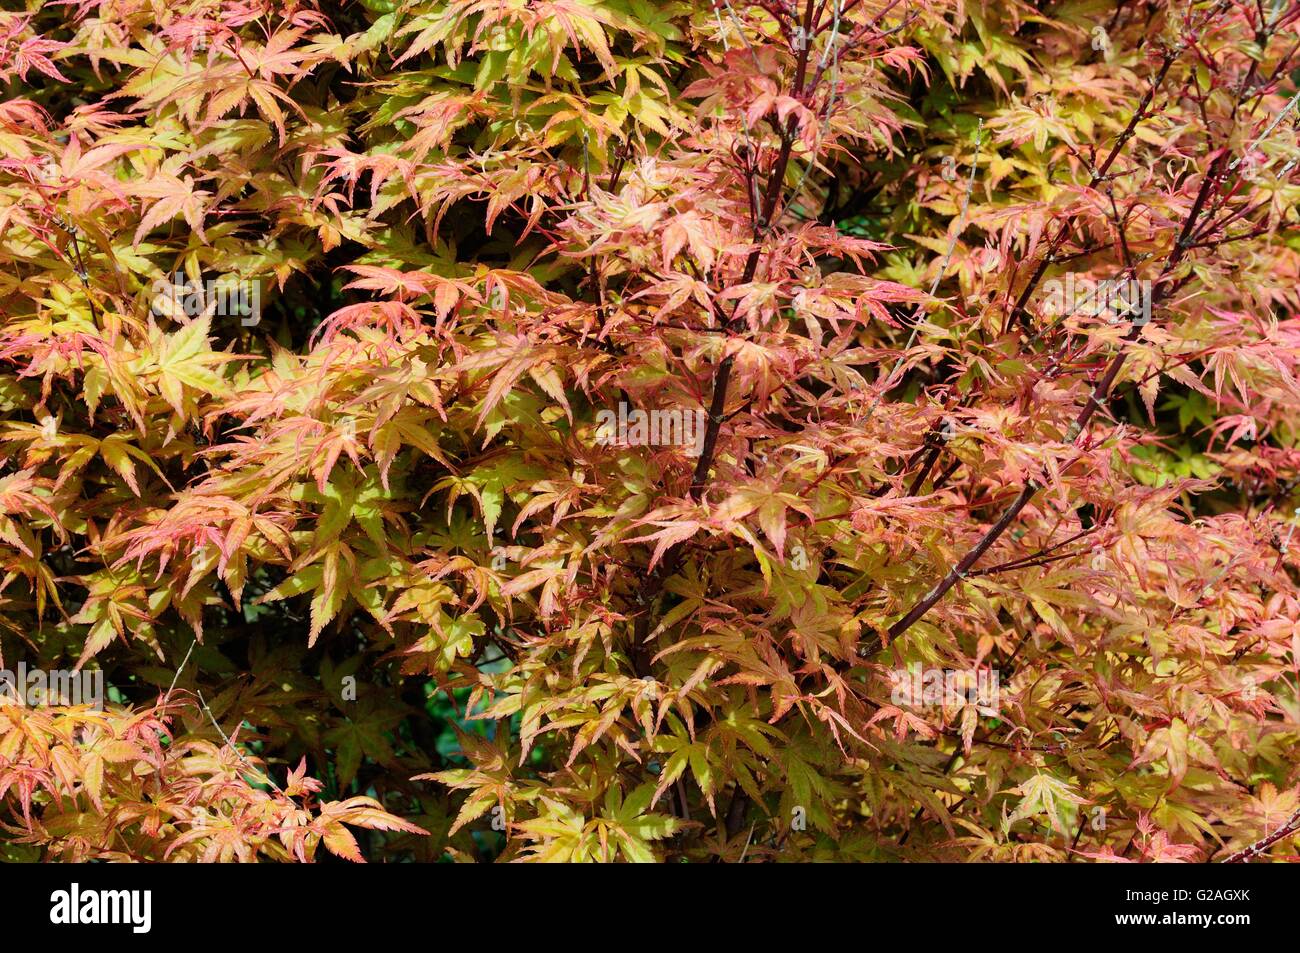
[634,393]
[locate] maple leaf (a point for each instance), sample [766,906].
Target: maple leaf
[184,360]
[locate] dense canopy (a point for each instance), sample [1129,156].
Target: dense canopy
[638,430]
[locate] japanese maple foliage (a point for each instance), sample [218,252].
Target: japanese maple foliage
[636,398]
